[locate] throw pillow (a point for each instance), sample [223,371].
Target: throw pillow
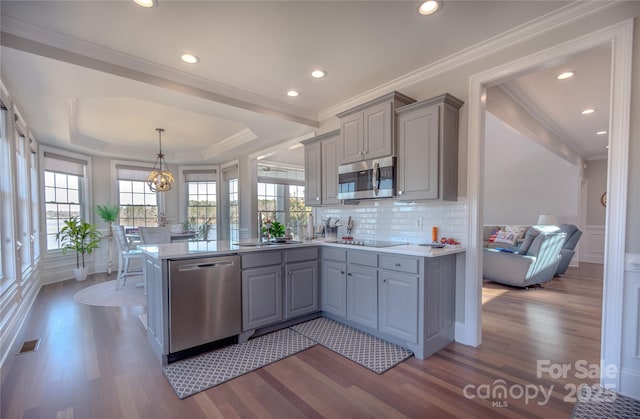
[506,237]
[518,231]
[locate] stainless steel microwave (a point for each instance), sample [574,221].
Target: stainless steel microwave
[367,179]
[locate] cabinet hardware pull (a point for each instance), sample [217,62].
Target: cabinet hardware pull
[341,272]
[349,274]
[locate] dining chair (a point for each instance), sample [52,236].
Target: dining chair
[154,235]
[125,255]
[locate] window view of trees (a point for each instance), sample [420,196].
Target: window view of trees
[138,205]
[201,209]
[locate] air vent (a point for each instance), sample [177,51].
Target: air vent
[30,346]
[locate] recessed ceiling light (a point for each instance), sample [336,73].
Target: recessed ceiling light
[601,132]
[428,7]
[588,111]
[292,93]
[190,58]
[565,75]
[318,74]
[145,3]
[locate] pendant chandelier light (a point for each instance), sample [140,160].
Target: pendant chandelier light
[160,179]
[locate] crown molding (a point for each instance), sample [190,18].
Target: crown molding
[26,37]
[232,141]
[564,15]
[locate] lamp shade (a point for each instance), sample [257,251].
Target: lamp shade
[547,220]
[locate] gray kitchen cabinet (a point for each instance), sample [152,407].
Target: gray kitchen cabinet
[439,303]
[362,288]
[261,289]
[321,158]
[427,149]
[301,281]
[334,287]
[368,130]
[313,174]
[333,281]
[301,288]
[330,159]
[398,305]
[155,309]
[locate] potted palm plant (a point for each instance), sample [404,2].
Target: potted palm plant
[82,237]
[109,214]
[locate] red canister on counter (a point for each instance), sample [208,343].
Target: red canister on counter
[434,234]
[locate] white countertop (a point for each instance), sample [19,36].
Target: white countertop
[193,249]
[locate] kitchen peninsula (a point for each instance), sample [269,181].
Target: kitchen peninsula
[199,292]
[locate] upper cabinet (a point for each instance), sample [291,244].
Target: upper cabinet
[427,149]
[367,131]
[321,157]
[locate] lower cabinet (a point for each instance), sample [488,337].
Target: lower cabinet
[155,309]
[301,288]
[362,295]
[261,296]
[334,287]
[398,305]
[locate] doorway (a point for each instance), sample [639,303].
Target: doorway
[620,38]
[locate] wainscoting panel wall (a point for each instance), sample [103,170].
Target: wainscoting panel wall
[630,369]
[592,244]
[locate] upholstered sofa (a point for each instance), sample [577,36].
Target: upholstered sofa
[569,246]
[536,262]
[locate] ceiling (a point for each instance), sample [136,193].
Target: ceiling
[99,76]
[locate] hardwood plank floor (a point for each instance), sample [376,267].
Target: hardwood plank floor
[94,362]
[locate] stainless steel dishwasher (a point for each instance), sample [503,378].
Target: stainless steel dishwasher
[205,301]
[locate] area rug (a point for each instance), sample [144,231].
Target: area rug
[593,403]
[105,294]
[369,351]
[201,372]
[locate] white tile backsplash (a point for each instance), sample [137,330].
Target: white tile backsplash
[401,221]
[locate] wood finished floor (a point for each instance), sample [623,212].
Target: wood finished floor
[94,362]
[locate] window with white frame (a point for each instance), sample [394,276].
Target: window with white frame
[35,200]
[24,199]
[5,202]
[138,205]
[232,213]
[64,192]
[202,202]
[281,194]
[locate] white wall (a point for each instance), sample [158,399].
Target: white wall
[596,176]
[524,179]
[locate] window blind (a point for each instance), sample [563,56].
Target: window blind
[64,164]
[205,175]
[132,172]
[229,173]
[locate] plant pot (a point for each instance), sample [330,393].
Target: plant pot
[80,274]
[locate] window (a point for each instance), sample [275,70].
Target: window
[281,194]
[24,201]
[138,205]
[64,191]
[232,212]
[202,202]
[35,201]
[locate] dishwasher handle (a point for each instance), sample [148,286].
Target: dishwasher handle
[192,267]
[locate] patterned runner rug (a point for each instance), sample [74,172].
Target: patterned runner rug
[201,372]
[369,351]
[593,403]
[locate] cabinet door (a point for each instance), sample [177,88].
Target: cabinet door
[312,174]
[352,134]
[155,320]
[378,130]
[301,289]
[330,159]
[362,295]
[261,297]
[418,158]
[398,314]
[333,283]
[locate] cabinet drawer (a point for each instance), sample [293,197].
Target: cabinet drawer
[298,255]
[262,258]
[399,263]
[339,255]
[363,258]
